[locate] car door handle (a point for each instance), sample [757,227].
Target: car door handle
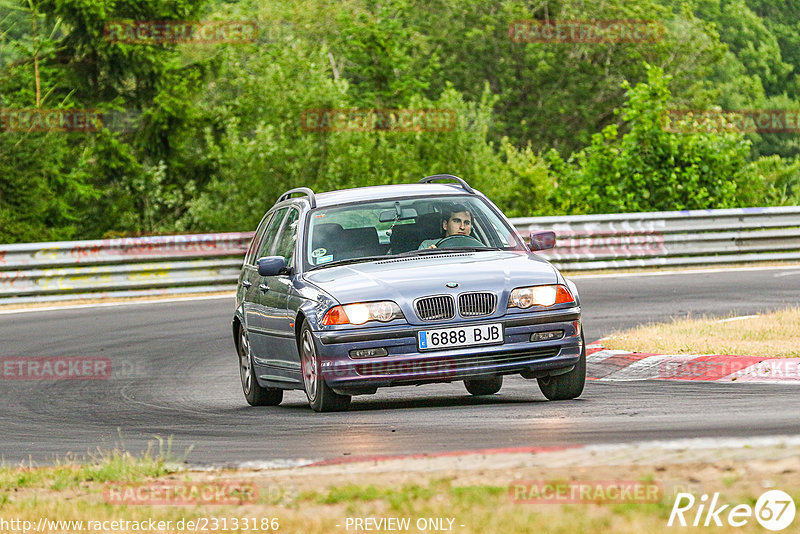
[263,287]
[247,283]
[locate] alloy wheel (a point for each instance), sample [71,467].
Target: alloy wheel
[245,367]
[309,366]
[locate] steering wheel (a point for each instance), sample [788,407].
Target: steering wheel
[459,241]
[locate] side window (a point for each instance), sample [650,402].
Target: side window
[288,236]
[497,234]
[265,245]
[251,250]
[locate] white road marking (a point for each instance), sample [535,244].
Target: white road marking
[704,443]
[256,465]
[792,273]
[687,271]
[675,451]
[740,318]
[113,304]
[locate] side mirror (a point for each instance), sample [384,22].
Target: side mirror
[272,266]
[543,240]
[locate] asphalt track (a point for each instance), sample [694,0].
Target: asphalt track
[175,374]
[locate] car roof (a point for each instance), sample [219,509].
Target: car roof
[382,192]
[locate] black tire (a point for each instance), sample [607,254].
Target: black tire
[253,393]
[321,398]
[569,385]
[484,386]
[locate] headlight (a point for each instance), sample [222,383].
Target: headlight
[363,312]
[525,297]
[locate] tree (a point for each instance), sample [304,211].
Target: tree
[651,169]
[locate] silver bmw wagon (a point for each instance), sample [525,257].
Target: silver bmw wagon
[347,291]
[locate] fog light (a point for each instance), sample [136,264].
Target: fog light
[368,353]
[547,336]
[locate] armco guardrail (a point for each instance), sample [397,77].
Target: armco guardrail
[120,267]
[211,262]
[671,238]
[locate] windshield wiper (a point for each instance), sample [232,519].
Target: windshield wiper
[421,252]
[431,251]
[349,261]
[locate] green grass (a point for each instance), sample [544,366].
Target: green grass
[480,508]
[466,496]
[73,490]
[102,466]
[398,499]
[407,498]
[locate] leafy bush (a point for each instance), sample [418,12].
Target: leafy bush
[646,168]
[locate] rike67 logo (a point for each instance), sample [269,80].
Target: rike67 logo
[774,510]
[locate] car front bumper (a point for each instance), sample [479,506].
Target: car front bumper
[405,364]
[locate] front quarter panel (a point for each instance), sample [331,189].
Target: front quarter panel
[315,302]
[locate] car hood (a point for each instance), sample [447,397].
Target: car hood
[404,279]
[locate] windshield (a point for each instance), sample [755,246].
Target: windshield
[374,230]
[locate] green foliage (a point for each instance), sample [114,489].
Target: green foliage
[541,128]
[43,188]
[781,180]
[383,61]
[558,95]
[650,169]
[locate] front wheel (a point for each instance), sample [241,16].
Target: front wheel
[253,393]
[321,398]
[569,385]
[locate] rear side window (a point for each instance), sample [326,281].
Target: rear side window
[267,240]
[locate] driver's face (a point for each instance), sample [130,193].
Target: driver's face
[459,223]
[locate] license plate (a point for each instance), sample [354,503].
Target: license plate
[465,336]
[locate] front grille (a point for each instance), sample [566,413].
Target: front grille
[435,308]
[476,304]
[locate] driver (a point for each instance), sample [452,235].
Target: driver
[457,220]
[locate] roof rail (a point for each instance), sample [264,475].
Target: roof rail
[305,190]
[438,177]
